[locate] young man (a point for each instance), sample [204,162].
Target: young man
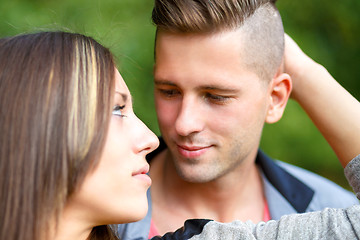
[218,78]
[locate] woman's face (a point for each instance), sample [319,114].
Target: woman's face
[115,192]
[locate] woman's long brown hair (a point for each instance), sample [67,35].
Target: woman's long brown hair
[56,92]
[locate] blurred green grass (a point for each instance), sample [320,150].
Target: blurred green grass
[327,30]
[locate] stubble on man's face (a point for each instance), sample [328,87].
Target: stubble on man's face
[205,75]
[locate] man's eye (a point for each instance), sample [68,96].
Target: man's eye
[218,99]
[117,110]
[168,92]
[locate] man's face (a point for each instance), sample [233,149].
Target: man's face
[211,108]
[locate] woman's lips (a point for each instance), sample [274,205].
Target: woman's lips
[192,151]
[141,175]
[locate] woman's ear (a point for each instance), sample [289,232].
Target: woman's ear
[281,86]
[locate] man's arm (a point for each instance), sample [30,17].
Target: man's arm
[333,110]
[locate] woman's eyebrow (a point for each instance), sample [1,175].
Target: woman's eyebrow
[124,96]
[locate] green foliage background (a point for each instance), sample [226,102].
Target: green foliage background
[327,30]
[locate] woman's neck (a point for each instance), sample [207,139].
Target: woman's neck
[71,226]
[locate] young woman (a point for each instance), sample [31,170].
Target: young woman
[72,151]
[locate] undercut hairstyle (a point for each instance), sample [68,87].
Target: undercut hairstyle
[56,92]
[258,21]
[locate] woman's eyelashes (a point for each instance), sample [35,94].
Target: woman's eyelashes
[117,110]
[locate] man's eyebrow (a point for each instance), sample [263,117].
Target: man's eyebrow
[164,82]
[210,87]
[219,88]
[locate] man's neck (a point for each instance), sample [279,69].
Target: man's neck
[237,195]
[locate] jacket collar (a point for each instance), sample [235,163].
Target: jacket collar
[298,194]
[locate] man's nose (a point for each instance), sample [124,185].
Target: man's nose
[190,118]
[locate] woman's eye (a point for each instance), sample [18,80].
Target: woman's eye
[117,110]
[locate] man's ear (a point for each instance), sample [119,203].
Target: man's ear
[280,90]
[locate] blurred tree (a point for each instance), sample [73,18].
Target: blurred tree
[328,31]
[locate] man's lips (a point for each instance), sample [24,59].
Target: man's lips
[192,151]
